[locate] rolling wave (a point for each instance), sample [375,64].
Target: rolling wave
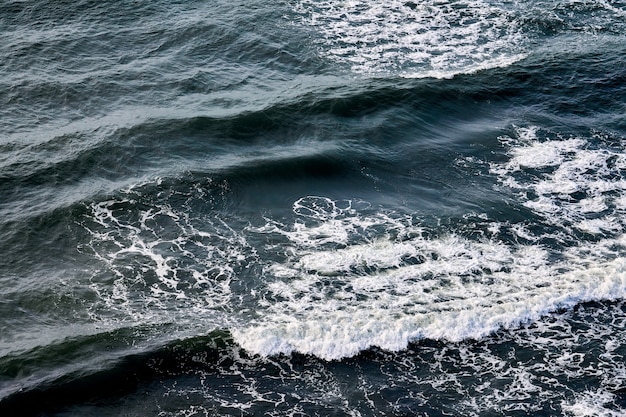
[339,276]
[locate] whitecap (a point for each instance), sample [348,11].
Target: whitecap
[414,39]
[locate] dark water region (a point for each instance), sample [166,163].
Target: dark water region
[312,208]
[428,378]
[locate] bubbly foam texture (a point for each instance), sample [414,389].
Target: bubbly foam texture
[610,7]
[592,404]
[415,39]
[160,265]
[571,182]
[342,276]
[335,303]
[354,279]
[569,363]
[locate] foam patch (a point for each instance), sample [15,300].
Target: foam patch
[414,39]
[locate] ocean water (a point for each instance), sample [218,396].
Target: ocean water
[313,208]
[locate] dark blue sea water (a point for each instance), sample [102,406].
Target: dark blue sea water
[312,208]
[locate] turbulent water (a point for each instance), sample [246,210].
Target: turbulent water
[300,208]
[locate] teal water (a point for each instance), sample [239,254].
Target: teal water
[312,208]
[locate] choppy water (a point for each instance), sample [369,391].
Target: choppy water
[303,208]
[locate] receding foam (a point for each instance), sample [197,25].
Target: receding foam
[159,265]
[414,39]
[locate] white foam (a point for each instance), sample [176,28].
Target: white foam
[343,276]
[159,266]
[345,286]
[592,404]
[414,39]
[463,289]
[568,167]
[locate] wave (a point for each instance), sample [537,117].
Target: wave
[211,374]
[54,167]
[334,277]
[335,303]
[352,281]
[141,141]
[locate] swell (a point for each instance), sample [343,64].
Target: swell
[69,10]
[93,158]
[86,61]
[570,84]
[286,120]
[571,89]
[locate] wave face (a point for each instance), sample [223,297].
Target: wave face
[312,208]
